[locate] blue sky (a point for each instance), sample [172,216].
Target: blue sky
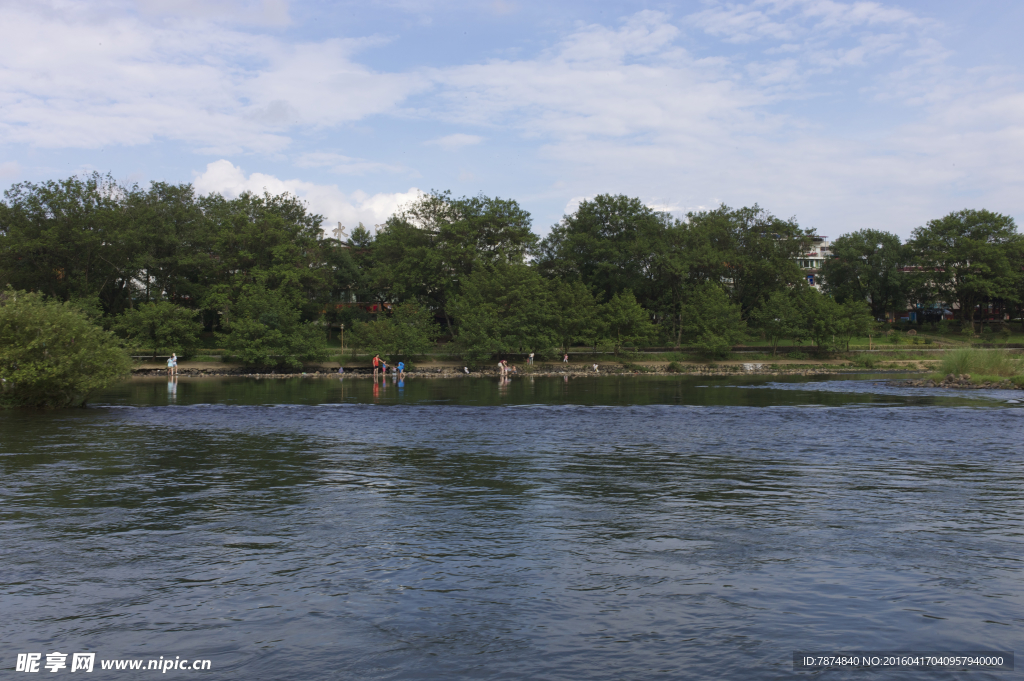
[844,115]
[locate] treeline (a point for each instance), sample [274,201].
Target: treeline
[159,265]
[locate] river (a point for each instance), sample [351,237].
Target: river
[595,528]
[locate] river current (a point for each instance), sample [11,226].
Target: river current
[598,528]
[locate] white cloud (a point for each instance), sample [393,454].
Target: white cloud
[346,165]
[843,111]
[73,77]
[9,170]
[258,12]
[335,205]
[455,141]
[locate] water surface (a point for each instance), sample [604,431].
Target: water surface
[597,528]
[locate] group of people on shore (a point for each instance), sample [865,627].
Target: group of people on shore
[505,370]
[381,365]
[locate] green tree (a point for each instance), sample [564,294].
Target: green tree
[425,251]
[869,265]
[502,308]
[160,325]
[75,238]
[829,325]
[626,321]
[267,331]
[759,250]
[853,319]
[611,244]
[576,316]
[51,355]
[970,256]
[778,317]
[712,321]
[410,330]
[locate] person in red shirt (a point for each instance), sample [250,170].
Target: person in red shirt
[376,365]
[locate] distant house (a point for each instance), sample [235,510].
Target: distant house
[811,261]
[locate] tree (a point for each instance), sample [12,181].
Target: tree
[75,238]
[267,331]
[51,355]
[576,316]
[778,317]
[427,250]
[713,321]
[831,325]
[751,249]
[611,244]
[869,265]
[626,322]
[410,330]
[502,308]
[160,325]
[970,256]
[854,318]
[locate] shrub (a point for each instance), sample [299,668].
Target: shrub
[267,331]
[675,368]
[51,355]
[797,355]
[976,361]
[161,325]
[866,361]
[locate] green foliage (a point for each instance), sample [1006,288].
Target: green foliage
[868,265]
[410,330]
[51,355]
[426,251]
[610,244]
[864,360]
[959,361]
[504,307]
[267,331]
[626,322]
[160,325]
[970,256]
[575,316]
[713,321]
[779,317]
[675,368]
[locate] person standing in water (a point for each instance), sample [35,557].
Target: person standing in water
[172,365]
[376,364]
[401,371]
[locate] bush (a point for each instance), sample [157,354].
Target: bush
[268,332]
[976,361]
[797,355]
[675,368]
[51,355]
[161,325]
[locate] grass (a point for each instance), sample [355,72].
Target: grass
[977,362]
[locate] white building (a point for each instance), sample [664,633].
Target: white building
[811,261]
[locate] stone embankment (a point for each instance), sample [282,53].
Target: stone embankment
[571,370]
[963,382]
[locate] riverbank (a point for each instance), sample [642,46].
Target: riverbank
[962,382]
[451,369]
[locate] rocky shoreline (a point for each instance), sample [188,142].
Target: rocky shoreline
[450,372]
[962,382]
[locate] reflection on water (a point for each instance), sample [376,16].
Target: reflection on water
[589,528]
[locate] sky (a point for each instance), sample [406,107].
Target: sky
[844,115]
